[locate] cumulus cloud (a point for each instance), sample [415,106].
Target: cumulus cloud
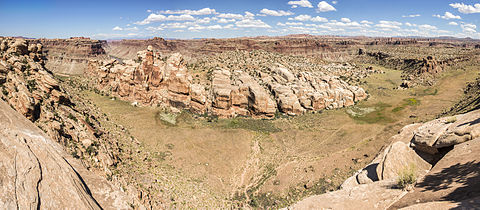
[204,11]
[275,12]
[448,16]
[466,9]
[293,23]
[469,28]
[301,3]
[117,28]
[251,23]
[388,24]
[411,16]
[302,18]
[214,27]
[453,23]
[346,20]
[223,20]
[157,18]
[334,2]
[427,27]
[319,19]
[323,6]
[231,16]
[366,22]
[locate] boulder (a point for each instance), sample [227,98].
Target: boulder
[399,157]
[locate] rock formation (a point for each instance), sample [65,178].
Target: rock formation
[167,82]
[35,172]
[69,56]
[33,91]
[416,147]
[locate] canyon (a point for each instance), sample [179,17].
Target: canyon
[297,122]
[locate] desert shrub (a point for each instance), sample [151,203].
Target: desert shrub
[407,177]
[451,120]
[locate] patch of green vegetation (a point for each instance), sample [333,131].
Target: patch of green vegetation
[294,194]
[407,102]
[451,120]
[259,125]
[426,92]
[70,115]
[375,114]
[166,118]
[407,177]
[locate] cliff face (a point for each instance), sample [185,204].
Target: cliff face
[69,56]
[127,49]
[227,92]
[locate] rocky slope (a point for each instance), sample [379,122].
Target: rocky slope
[447,177]
[33,91]
[66,117]
[37,174]
[226,92]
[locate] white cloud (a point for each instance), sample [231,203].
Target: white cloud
[453,23]
[248,15]
[469,28]
[388,24]
[323,6]
[228,26]
[251,23]
[411,16]
[366,22]
[346,20]
[214,27]
[334,2]
[157,18]
[204,20]
[149,10]
[223,20]
[117,28]
[427,27]
[448,16]
[410,24]
[204,11]
[466,9]
[301,3]
[301,18]
[293,23]
[275,12]
[319,19]
[231,16]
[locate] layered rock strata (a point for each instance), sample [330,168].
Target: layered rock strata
[165,81]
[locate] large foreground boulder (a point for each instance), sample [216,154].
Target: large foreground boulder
[35,173]
[377,195]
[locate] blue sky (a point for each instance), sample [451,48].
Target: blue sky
[223,18]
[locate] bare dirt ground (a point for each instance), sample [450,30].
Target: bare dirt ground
[272,163]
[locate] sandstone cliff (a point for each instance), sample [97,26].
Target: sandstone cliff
[69,56]
[226,92]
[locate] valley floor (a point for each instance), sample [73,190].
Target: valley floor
[205,161]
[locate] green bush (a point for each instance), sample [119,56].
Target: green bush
[407,177]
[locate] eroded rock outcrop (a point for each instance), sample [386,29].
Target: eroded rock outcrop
[453,177]
[165,81]
[35,172]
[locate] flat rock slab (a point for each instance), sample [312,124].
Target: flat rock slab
[456,177]
[377,195]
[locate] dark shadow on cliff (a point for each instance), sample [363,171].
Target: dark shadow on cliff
[465,178]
